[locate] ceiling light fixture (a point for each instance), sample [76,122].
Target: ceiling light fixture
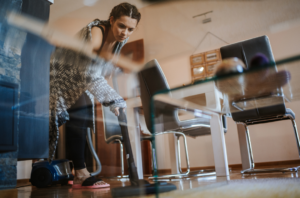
[206,20]
[89,2]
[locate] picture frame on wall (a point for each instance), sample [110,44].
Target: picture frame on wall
[197,59]
[198,71]
[210,68]
[203,64]
[212,56]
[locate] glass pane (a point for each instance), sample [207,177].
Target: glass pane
[256,88]
[191,110]
[66,97]
[184,38]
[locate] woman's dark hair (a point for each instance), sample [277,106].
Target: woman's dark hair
[127,10]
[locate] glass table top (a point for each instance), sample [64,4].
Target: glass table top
[264,86]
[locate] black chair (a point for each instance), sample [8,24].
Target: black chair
[152,80]
[245,51]
[113,134]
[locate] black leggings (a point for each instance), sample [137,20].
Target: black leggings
[76,129]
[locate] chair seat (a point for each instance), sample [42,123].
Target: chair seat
[194,122]
[197,131]
[195,127]
[289,113]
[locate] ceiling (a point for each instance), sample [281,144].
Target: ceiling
[83,8]
[169,29]
[86,8]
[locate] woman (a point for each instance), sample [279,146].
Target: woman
[73,73]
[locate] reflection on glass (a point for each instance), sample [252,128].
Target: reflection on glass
[73,79]
[169,34]
[198,70]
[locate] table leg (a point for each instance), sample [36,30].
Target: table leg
[219,146]
[135,137]
[246,163]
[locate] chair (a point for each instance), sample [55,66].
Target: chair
[112,133]
[152,80]
[245,51]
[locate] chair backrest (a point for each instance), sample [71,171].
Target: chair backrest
[245,51]
[152,80]
[112,129]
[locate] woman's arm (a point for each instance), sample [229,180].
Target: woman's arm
[97,37]
[96,41]
[105,94]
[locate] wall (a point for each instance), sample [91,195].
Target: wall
[171,30]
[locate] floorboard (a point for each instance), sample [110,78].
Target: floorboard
[59,191]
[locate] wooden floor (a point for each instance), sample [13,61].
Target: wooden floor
[59,191]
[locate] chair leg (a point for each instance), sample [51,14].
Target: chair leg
[187,173]
[153,158]
[178,154]
[171,175]
[252,170]
[296,134]
[154,163]
[250,153]
[196,173]
[122,161]
[244,148]
[297,139]
[252,165]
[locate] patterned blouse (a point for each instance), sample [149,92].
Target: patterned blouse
[71,74]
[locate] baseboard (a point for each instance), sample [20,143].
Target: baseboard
[163,171]
[238,166]
[278,163]
[23,182]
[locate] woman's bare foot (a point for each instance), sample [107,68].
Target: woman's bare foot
[83,174]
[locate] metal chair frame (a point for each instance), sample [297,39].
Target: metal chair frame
[182,174]
[180,132]
[118,139]
[250,153]
[122,160]
[246,50]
